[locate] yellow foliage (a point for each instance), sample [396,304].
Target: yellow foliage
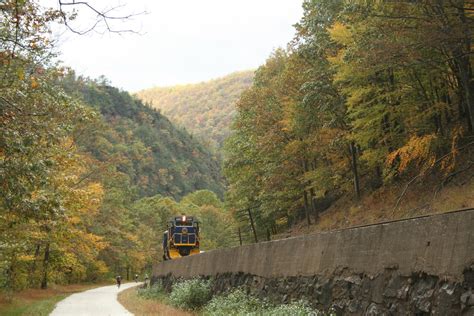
[34,83]
[450,161]
[74,220]
[340,33]
[21,73]
[131,237]
[26,258]
[417,149]
[100,267]
[213,104]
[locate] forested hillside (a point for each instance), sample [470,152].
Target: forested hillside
[370,95]
[205,109]
[88,174]
[157,157]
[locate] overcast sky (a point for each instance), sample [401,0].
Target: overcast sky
[181,41]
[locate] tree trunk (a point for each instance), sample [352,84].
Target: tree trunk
[355,169]
[306,207]
[462,57]
[10,274]
[313,205]
[252,226]
[274,230]
[33,265]
[44,281]
[305,193]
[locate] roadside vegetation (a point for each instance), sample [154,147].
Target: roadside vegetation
[152,301]
[237,302]
[195,296]
[37,302]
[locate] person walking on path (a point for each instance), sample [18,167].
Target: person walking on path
[119,280]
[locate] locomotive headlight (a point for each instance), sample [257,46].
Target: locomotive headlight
[184,218]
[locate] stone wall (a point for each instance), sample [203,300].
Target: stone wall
[415,266]
[348,293]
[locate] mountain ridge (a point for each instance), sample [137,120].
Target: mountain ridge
[206,109]
[158,157]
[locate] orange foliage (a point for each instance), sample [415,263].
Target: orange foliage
[418,150]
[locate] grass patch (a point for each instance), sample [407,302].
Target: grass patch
[37,302]
[151,301]
[37,308]
[155,292]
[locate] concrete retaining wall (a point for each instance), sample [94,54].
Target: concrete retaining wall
[422,266]
[441,245]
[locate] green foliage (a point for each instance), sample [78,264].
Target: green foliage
[46,201]
[202,198]
[156,292]
[143,144]
[218,229]
[264,158]
[191,294]
[148,218]
[205,109]
[195,294]
[88,173]
[238,303]
[42,307]
[145,164]
[367,94]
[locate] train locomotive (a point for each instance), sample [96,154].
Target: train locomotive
[181,238]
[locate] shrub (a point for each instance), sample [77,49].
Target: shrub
[191,294]
[156,291]
[236,302]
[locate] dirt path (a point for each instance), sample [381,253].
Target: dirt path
[101,301]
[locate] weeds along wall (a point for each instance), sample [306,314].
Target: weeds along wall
[441,245]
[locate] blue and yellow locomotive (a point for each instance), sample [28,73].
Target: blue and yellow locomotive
[181,238]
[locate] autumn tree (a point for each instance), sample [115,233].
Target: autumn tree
[367,94]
